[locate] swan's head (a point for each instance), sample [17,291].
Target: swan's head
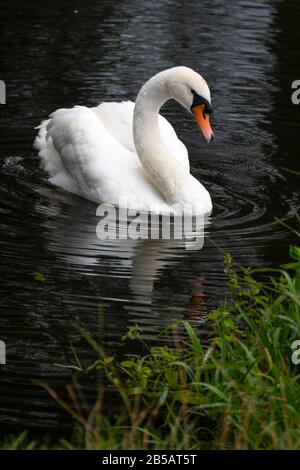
[190,90]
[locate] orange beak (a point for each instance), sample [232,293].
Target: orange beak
[202,119]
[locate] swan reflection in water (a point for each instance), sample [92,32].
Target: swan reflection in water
[111,248]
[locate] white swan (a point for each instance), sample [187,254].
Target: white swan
[128,154]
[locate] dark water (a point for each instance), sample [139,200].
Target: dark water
[64,53]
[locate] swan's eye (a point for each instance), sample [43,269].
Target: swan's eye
[199,100]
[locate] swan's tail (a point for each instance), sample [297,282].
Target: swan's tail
[43,124]
[50,159]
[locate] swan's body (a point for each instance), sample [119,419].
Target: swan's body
[125,153]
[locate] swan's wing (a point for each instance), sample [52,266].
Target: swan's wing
[118,120]
[87,159]
[80,155]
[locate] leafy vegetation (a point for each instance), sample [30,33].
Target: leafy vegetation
[237,390]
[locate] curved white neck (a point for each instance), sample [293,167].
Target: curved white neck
[167,173]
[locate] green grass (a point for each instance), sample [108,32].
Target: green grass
[238,390]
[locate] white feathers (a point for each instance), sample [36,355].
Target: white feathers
[91,152]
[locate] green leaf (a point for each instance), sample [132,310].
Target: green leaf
[108,360]
[128,364]
[163,396]
[37,276]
